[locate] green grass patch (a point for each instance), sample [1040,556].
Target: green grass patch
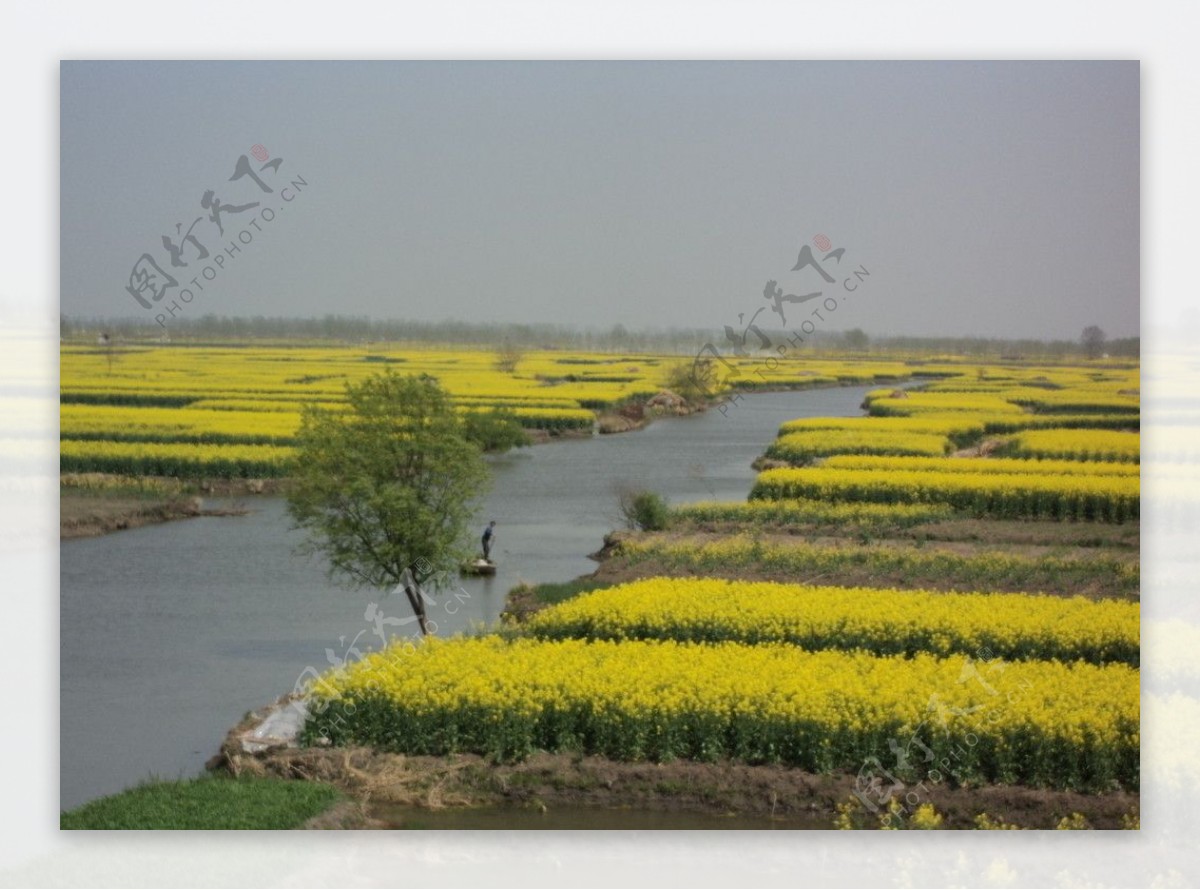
[907,567]
[801,513]
[551,594]
[206,803]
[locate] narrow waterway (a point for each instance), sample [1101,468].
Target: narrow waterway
[170,633]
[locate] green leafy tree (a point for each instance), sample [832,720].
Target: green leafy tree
[694,382]
[856,339]
[642,509]
[1093,338]
[495,431]
[385,489]
[508,356]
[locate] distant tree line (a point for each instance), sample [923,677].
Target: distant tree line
[1125,347]
[362,330]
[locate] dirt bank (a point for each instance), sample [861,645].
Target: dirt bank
[543,437]
[549,781]
[86,516]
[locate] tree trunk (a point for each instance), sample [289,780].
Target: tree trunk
[418,605]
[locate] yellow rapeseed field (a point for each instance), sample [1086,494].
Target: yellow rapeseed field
[883,621]
[1078,445]
[1040,722]
[1009,466]
[1013,495]
[1001,687]
[218,396]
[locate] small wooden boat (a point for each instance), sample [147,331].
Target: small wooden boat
[479,567]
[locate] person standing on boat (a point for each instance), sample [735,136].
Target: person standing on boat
[489,535]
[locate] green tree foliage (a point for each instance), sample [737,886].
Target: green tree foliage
[856,339]
[495,431]
[508,356]
[385,490]
[694,381]
[644,510]
[1093,341]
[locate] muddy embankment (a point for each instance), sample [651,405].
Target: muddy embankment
[570,781]
[89,516]
[104,504]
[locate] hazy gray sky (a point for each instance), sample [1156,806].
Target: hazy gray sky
[994,199]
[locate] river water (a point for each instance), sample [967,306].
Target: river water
[170,633]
